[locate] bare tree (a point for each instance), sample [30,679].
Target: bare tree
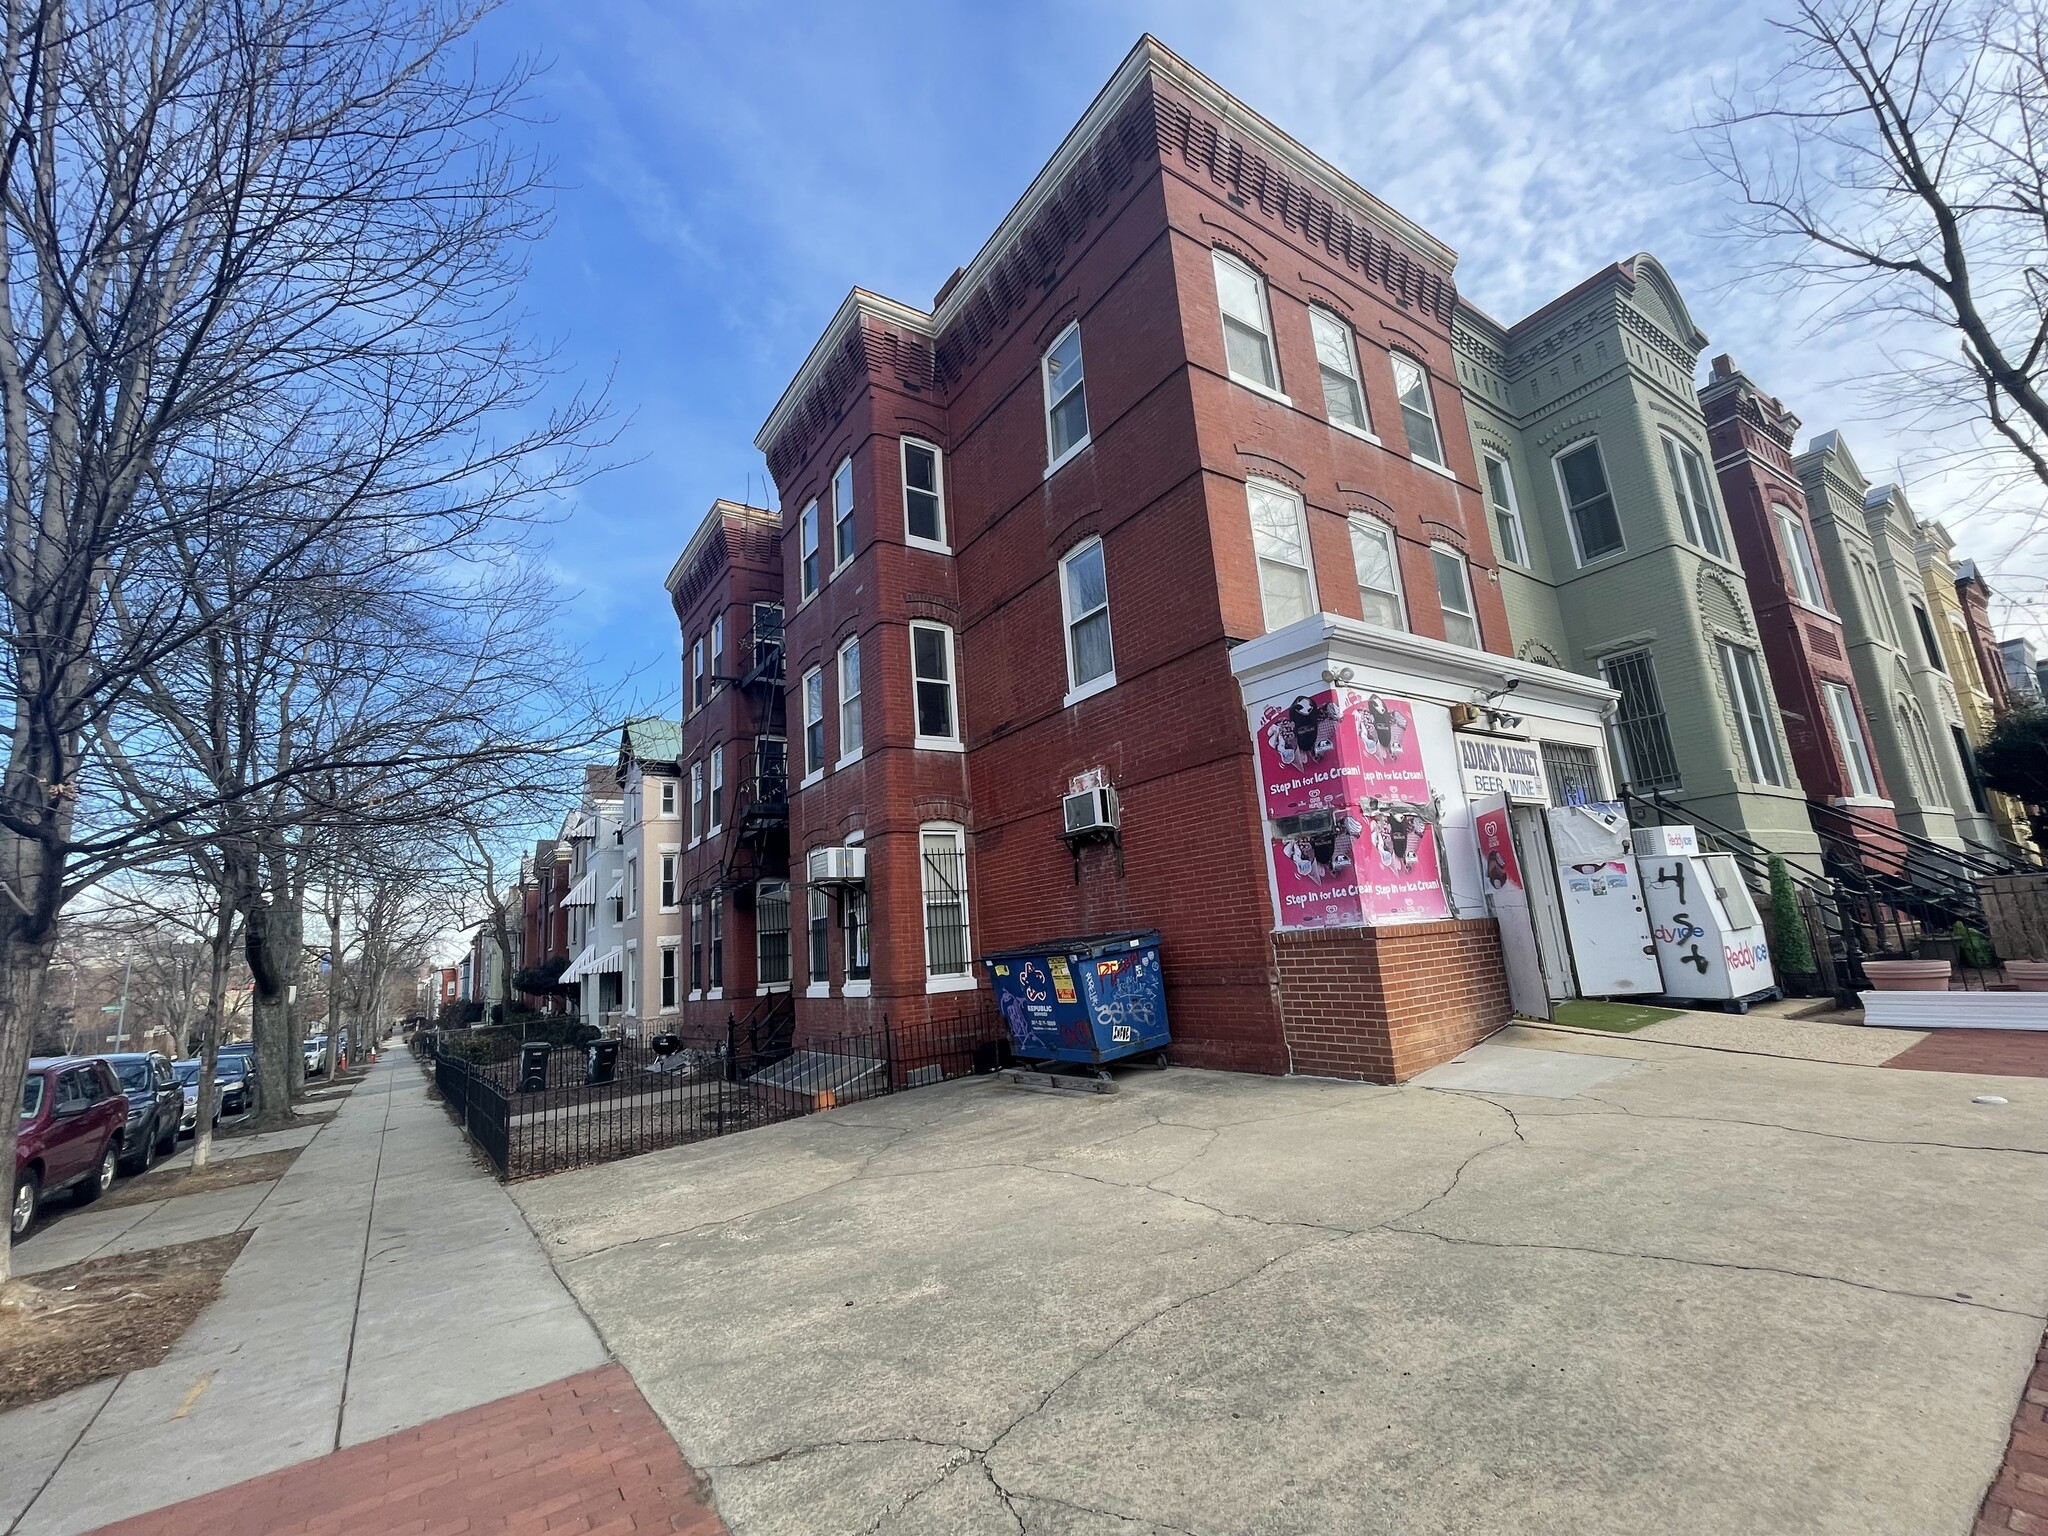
[257,261]
[1896,168]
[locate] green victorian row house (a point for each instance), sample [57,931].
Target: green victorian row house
[1758,608]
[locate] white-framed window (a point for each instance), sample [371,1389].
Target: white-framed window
[1337,361]
[1588,501]
[1849,732]
[632,887]
[842,513]
[771,933]
[696,674]
[931,677]
[1695,503]
[814,722]
[1744,676]
[668,882]
[715,977]
[1454,596]
[1641,732]
[820,938]
[1507,512]
[849,700]
[1374,558]
[1066,398]
[696,802]
[696,948]
[948,956]
[853,935]
[807,550]
[716,796]
[1418,410]
[1798,555]
[668,978]
[1928,644]
[1287,587]
[717,650]
[1084,608]
[668,799]
[1247,323]
[924,494]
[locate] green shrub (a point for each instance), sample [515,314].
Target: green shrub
[1973,948]
[1790,947]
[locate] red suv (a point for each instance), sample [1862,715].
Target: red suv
[72,1116]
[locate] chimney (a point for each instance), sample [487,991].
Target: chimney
[1724,367]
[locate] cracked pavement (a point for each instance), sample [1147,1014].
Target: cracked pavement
[1596,1284]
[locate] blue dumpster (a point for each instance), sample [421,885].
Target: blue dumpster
[1091,1000]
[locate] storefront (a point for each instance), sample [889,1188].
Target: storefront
[1404,784]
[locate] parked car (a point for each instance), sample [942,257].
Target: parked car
[187,1074]
[231,1079]
[155,1105]
[73,1114]
[316,1056]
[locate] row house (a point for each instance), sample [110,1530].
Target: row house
[595,905]
[648,890]
[1616,554]
[1163,503]
[544,881]
[732,964]
[2022,671]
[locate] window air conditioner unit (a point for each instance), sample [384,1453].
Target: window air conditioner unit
[836,866]
[1092,810]
[1306,824]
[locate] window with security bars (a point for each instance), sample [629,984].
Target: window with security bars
[771,933]
[853,918]
[821,929]
[1641,734]
[945,901]
[696,947]
[717,905]
[1573,773]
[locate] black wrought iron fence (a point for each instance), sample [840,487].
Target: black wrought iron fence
[573,1109]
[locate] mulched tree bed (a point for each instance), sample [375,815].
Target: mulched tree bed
[168,1183]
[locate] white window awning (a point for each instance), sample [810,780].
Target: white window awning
[578,968]
[612,961]
[618,889]
[583,893]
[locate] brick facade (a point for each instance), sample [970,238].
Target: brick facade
[1429,991]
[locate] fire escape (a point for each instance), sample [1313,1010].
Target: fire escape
[755,874]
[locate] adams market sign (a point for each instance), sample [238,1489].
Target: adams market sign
[1501,765]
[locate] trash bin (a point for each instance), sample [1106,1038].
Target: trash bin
[604,1061]
[533,1066]
[1092,1000]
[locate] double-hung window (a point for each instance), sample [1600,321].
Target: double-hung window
[1507,514]
[1928,643]
[1644,739]
[696,802]
[842,514]
[849,700]
[924,495]
[716,973]
[668,798]
[717,790]
[668,978]
[853,922]
[1379,573]
[947,954]
[814,722]
[1287,588]
[696,947]
[1247,323]
[717,651]
[1084,604]
[1066,399]
[1588,503]
[1849,732]
[697,674]
[1695,505]
[807,550]
[771,933]
[632,887]
[1418,411]
[1744,676]
[931,675]
[1454,596]
[820,937]
[668,882]
[1798,555]
[1337,361]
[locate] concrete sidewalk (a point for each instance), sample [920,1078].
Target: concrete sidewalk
[389,1281]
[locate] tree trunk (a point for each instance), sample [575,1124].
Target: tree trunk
[24,964]
[270,1019]
[210,1031]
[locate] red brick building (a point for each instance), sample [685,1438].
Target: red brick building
[1751,434]
[544,917]
[1180,449]
[733,871]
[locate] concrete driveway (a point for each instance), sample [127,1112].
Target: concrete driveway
[1575,1283]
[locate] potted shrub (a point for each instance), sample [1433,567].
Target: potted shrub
[1791,947]
[1900,974]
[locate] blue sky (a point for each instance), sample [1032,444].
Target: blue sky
[728,170]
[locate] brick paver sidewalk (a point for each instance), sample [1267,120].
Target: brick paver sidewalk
[1996,1052]
[2017,1500]
[583,1455]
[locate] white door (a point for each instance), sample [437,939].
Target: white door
[1553,949]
